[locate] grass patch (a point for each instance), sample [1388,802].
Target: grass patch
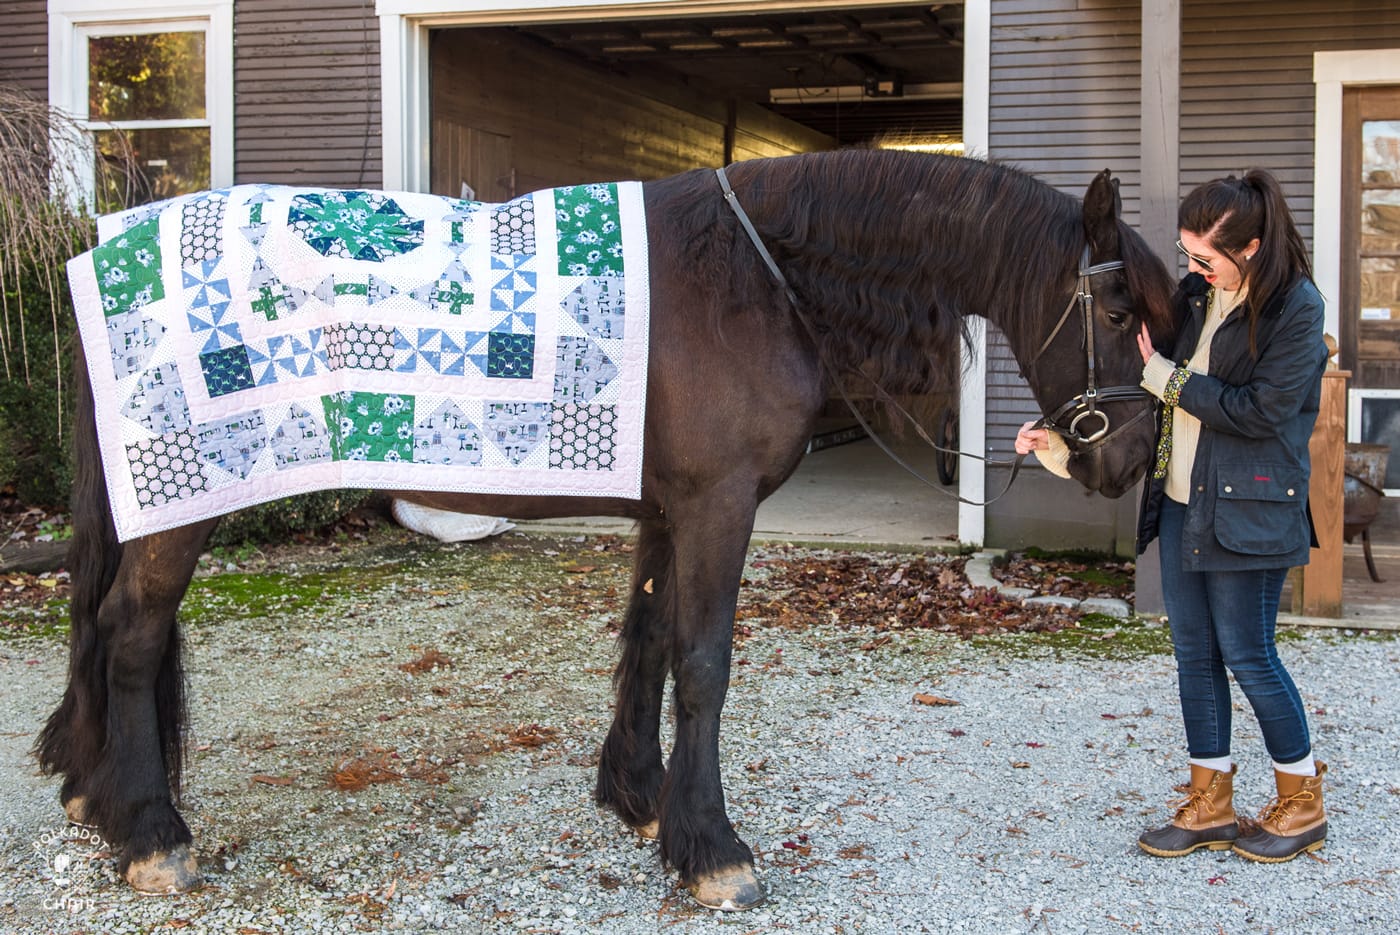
[1081,556]
[415,566]
[47,619]
[219,597]
[1096,637]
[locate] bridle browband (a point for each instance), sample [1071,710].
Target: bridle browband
[1077,409]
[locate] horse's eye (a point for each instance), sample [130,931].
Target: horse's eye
[1118,319]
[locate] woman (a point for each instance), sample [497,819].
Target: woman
[1228,499]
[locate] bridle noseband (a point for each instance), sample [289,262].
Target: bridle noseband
[1085,406]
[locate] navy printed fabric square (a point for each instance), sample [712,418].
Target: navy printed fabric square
[227,370]
[511,356]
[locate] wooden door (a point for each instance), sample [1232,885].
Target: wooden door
[1370,300]
[463,155]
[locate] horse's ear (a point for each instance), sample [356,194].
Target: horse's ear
[1102,205]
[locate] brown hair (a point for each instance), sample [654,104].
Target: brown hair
[1230,212]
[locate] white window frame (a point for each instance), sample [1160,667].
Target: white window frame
[1333,71]
[73,22]
[1355,401]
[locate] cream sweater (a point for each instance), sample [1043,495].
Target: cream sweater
[1186,428]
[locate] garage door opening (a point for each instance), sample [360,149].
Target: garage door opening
[515,108]
[519,108]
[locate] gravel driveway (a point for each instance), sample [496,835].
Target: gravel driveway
[340,781]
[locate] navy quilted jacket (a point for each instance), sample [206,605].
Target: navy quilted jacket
[1249,480]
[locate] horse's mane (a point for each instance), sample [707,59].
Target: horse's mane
[892,249]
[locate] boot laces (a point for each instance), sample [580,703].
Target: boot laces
[1196,800]
[1283,806]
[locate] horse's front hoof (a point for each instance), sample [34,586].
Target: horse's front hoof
[649,831]
[164,874]
[731,890]
[76,810]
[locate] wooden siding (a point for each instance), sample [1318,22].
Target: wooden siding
[306,88]
[1247,92]
[1065,104]
[569,122]
[24,47]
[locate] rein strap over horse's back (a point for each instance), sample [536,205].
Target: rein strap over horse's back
[1083,405]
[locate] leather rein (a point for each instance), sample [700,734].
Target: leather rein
[1078,409]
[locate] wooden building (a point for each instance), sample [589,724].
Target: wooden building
[504,96]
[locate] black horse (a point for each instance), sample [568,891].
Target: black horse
[880,259]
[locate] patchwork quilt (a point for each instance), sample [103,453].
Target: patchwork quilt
[262,341]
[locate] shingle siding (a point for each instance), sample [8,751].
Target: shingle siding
[1247,92]
[24,46]
[1065,104]
[306,88]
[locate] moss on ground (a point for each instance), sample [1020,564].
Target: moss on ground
[1097,636]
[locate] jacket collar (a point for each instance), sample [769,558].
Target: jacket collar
[1194,284]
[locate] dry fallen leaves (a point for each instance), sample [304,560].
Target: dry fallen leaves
[430,660]
[352,774]
[273,780]
[886,594]
[529,735]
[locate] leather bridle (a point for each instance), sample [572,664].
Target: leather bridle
[1066,420]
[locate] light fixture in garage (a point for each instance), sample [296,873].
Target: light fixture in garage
[922,144]
[942,91]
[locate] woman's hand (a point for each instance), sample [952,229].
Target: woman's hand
[1029,438]
[1145,348]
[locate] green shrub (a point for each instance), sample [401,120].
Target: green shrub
[279,520]
[36,402]
[38,234]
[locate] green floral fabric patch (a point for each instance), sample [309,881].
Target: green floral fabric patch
[370,426]
[590,237]
[128,269]
[354,224]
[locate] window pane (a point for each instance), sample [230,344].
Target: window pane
[169,162]
[1380,289]
[1380,222]
[1380,152]
[152,76]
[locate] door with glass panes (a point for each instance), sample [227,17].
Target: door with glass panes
[1370,287]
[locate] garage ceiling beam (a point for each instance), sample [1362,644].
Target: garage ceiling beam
[929,17]
[881,47]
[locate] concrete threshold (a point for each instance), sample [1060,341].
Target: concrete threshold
[1350,620]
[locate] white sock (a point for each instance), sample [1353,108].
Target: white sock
[1221,764]
[1304,767]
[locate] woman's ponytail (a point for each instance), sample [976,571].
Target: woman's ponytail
[1232,212]
[1282,255]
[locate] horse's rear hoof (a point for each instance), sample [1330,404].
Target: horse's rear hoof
[650,831]
[731,890]
[164,874]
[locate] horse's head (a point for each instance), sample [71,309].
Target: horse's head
[1088,367]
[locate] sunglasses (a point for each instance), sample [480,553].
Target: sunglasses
[1203,264]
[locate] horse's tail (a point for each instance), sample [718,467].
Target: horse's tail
[74,739]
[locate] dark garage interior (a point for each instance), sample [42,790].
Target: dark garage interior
[518,108]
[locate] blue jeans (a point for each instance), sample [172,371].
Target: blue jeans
[1225,620]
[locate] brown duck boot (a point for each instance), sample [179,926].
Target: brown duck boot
[1205,818]
[1290,824]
